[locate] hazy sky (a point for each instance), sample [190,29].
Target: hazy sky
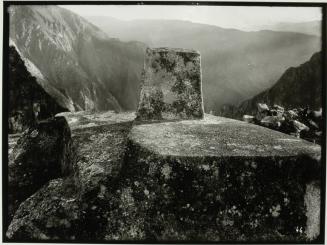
[246,18]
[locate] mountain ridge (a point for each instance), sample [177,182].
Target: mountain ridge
[100,72]
[236,65]
[76,57]
[298,87]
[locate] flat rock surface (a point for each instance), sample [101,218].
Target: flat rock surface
[218,136]
[87,119]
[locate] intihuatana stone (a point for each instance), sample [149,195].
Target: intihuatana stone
[171,87]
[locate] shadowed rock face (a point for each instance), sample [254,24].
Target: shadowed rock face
[171,87]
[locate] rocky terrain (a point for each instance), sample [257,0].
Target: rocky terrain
[164,181]
[292,105]
[29,101]
[302,122]
[105,177]
[167,172]
[236,65]
[43,152]
[93,71]
[70,205]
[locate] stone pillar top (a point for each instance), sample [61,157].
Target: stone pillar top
[171,86]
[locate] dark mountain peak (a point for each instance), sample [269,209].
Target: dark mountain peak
[316,57]
[298,87]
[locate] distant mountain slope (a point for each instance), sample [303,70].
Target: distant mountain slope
[61,98]
[78,59]
[236,65]
[298,87]
[309,27]
[28,100]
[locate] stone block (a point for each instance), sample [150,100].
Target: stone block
[171,88]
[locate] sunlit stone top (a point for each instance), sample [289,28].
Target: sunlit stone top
[171,86]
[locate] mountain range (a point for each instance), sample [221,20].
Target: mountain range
[308,27]
[87,67]
[98,65]
[298,87]
[236,65]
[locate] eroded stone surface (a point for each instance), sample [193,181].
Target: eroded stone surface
[192,180]
[218,136]
[171,87]
[221,180]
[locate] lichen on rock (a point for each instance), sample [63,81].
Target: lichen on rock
[201,180]
[171,87]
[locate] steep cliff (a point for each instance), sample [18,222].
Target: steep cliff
[75,57]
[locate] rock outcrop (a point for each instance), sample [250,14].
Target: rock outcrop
[76,207]
[42,153]
[28,100]
[171,87]
[52,213]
